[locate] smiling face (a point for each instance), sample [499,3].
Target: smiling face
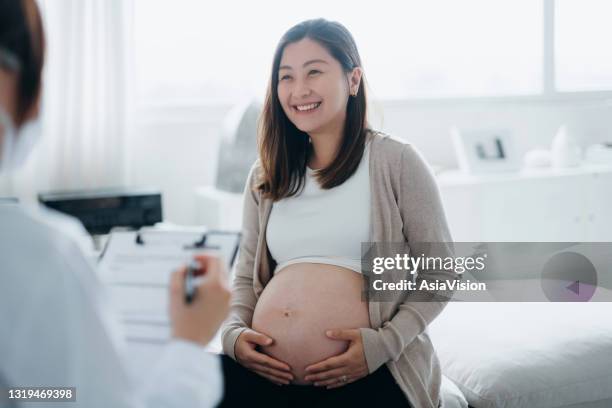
[313,89]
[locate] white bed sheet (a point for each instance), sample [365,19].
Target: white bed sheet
[450,395]
[527,354]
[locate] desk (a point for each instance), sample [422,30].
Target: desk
[544,205]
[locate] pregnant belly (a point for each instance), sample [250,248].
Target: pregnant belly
[300,303]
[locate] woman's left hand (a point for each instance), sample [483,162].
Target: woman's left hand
[344,368]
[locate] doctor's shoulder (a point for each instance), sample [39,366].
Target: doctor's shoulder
[40,231]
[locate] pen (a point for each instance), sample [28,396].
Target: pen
[190,286]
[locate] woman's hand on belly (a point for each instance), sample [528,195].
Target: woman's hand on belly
[344,368]
[246,354]
[300,304]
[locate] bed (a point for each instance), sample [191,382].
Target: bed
[532,355]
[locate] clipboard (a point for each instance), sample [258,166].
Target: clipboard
[149,257]
[136,268]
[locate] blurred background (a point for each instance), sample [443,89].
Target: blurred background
[509,101]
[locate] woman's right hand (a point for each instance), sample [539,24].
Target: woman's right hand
[262,364]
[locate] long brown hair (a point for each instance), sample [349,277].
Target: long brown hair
[23,39]
[284,150]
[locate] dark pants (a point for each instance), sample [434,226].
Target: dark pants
[244,388]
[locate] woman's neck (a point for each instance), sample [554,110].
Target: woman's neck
[325,146]
[324,150]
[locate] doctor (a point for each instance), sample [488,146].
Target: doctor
[55,327]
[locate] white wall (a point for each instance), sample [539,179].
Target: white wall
[534,123]
[175,149]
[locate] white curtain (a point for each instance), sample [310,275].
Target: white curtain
[85,99]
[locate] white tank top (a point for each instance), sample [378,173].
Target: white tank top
[323,226]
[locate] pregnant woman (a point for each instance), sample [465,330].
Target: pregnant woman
[300,333]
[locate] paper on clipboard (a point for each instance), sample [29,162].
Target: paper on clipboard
[137,266]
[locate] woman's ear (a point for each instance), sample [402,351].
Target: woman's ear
[355,80]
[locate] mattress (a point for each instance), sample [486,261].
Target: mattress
[519,355]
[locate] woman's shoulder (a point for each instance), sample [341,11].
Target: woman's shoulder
[400,161]
[254,178]
[391,150]
[254,171]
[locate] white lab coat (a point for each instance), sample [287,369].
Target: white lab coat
[57,329]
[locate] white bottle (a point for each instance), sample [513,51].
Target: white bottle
[565,149]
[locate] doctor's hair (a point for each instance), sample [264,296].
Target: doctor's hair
[284,150]
[22,48]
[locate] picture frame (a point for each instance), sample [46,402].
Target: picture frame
[481,151]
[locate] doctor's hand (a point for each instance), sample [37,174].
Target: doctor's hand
[262,364]
[199,321]
[344,368]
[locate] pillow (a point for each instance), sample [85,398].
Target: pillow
[526,354]
[450,395]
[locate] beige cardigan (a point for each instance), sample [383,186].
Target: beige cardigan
[405,207]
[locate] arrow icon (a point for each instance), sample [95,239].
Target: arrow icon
[574,287]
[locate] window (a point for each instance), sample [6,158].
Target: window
[583,36]
[221,51]
[452,48]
